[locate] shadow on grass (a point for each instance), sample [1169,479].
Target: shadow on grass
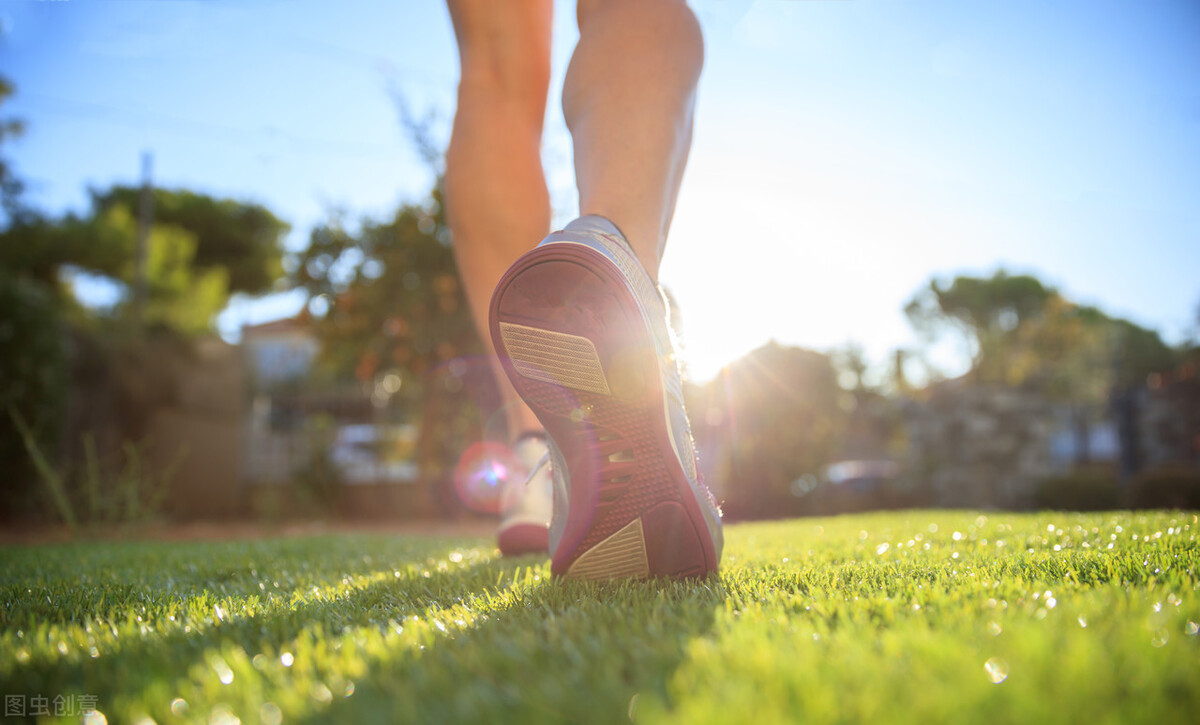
[567,651]
[533,649]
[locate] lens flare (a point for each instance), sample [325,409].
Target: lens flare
[482,473]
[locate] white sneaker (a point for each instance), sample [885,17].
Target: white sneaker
[525,502]
[582,332]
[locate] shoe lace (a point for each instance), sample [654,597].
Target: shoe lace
[537,467]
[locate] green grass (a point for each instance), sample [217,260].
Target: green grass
[915,616]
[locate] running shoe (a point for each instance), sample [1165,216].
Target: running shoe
[582,332]
[525,501]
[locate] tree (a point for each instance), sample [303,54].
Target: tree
[769,418]
[1026,333]
[33,377]
[393,293]
[196,248]
[396,310]
[986,311]
[850,360]
[180,294]
[11,187]
[242,238]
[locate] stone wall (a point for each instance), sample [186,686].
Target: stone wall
[200,436]
[978,445]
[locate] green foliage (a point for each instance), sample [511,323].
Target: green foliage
[33,381]
[180,295]
[395,301]
[199,251]
[51,481]
[1024,332]
[395,309]
[243,240]
[318,480]
[86,495]
[987,311]
[11,187]
[771,417]
[909,617]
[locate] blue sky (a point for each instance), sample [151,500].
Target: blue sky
[844,151]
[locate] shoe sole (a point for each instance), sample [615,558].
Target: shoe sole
[521,539]
[573,340]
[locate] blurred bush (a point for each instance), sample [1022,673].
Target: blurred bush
[1174,486]
[768,419]
[1080,491]
[318,480]
[33,382]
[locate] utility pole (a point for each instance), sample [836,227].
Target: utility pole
[145,221]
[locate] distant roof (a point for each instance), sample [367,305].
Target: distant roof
[299,323]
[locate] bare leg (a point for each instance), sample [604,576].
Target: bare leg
[496,199]
[628,99]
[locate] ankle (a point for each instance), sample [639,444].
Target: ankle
[601,224]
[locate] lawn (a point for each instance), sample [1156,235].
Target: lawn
[917,616]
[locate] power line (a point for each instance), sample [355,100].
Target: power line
[92,111]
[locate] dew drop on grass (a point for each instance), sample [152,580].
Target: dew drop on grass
[1160,638]
[994,628]
[349,689]
[222,715]
[1191,628]
[179,707]
[260,661]
[322,694]
[997,670]
[270,714]
[94,717]
[286,659]
[224,674]
[957,536]
[882,548]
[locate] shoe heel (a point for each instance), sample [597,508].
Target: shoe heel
[622,555]
[554,357]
